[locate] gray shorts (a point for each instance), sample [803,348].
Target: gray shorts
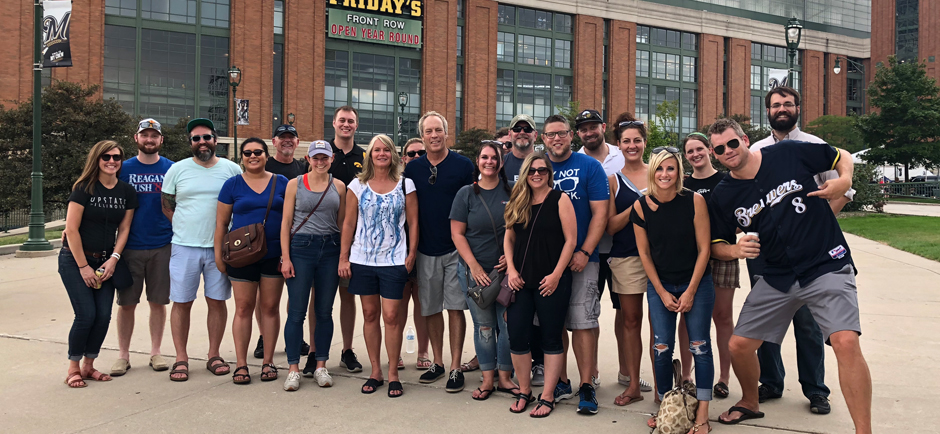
[438,287]
[832,298]
[585,305]
[152,267]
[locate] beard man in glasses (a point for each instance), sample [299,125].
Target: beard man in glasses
[806,261]
[522,135]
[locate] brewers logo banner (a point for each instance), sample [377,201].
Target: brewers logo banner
[55,34]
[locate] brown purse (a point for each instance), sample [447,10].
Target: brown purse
[246,245]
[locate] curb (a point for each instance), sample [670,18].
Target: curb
[12,248]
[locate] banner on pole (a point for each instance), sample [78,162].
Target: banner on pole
[777,77]
[56,51]
[241,111]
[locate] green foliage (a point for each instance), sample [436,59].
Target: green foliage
[468,142]
[915,234]
[571,112]
[905,129]
[176,144]
[868,195]
[753,132]
[838,131]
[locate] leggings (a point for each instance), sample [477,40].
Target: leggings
[551,310]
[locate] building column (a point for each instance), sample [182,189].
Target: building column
[928,42]
[835,86]
[588,61]
[883,28]
[480,30]
[621,69]
[304,65]
[738,54]
[439,62]
[711,76]
[252,51]
[813,95]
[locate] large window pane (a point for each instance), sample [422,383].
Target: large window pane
[167,75]
[120,59]
[504,91]
[642,63]
[688,69]
[687,111]
[642,102]
[279,17]
[277,106]
[213,84]
[505,47]
[215,13]
[757,78]
[127,8]
[373,94]
[563,53]
[337,85]
[459,121]
[178,11]
[642,35]
[534,94]
[561,93]
[534,50]
[507,15]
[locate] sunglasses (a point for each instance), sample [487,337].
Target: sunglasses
[417,153]
[668,149]
[539,170]
[249,152]
[630,124]
[526,129]
[204,138]
[433,178]
[733,144]
[109,157]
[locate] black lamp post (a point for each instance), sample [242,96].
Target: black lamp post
[402,102]
[794,32]
[290,119]
[859,67]
[234,78]
[37,218]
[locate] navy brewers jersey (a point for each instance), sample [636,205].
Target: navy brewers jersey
[799,236]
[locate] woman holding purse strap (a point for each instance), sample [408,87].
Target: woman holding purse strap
[477,227]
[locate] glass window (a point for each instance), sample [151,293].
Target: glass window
[213,83]
[642,35]
[665,66]
[409,81]
[688,111]
[689,41]
[279,17]
[127,8]
[563,53]
[504,90]
[755,51]
[460,9]
[672,67]
[757,78]
[534,94]
[642,102]
[215,13]
[337,85]
[688,69]
[178,11]
[563,24]
[120,63]
[459,41]
[534,50]
[277,105]
[535,19]
[507,15]
[562,92]
[167,79]
[853,89]
[664,38]
[660,94]
[372,95]
[757,105]
[642,63]
[505,46]
[459,124]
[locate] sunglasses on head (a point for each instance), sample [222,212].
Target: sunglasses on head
[539,170]
[668,149]
[109,157]
[630,124]
[433,178]
[733,144]
[204,138]
[518,129]
[250,152]
[417,153]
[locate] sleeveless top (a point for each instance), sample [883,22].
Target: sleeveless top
[671,234]
[624,241]
[323,221]
[547,243]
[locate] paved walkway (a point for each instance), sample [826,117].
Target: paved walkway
[930,210]
[899,308]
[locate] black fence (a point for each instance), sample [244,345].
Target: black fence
[20,218]
[911,189]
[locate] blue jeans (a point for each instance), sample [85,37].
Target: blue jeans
[316,261]
[92,308]
[698,323]
[492,346]
[810,358]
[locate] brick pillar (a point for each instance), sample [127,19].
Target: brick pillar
[882,31]
[439,62]
[738,52]
[621,69]
[252,51]
[928,43]
[479,75]
[835,86]
[16,54]
[86,39]
[588,61]
[710,78]
[812,94]
[304,65]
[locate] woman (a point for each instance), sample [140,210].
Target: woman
[98,221]
[476,221]
[725,274]
[373,254]
[629,277]
[314,206]
[672,237]
[414,149]
[537,269]
[243,201]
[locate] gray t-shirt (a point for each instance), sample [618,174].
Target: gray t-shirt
[468,209]
[323,220]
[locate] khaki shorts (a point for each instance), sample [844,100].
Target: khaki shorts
[151,267]
[628,275]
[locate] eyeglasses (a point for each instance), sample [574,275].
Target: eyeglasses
[625,124]
[433,179]
[417,153]
[519,129]
[668,149]
[787,105]
[204,138]
[733,144]
[560,134]
[249,152]
[539,170]
[109,157]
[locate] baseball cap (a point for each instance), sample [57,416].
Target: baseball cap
[199,122]
[149,124]
[285,128]
[523,118]
[587,117]
[319,147]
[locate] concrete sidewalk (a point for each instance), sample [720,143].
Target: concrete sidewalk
[897,294]
[922,209]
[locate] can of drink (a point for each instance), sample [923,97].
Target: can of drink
[754,234]
[99,272]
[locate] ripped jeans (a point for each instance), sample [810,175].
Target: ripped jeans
[490,332]
[698,323]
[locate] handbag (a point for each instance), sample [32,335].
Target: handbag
[507,295]
[246,245]
[677,412]
[485,295]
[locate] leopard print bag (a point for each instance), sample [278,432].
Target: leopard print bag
[677,412]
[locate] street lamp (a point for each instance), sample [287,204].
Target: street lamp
[290,119]
[858,67]
[402,102]
[794,32]
[234,78]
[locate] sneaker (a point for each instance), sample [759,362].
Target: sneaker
[323,377]
[563,391]
[259,349]
[293,381]
[304,347]
[588,404]
[454,381]
[434,373]
[819,404]
[596,381]
[765,393]
[624,380]
[645,386]
[310,366]
[538,375]
[349,361]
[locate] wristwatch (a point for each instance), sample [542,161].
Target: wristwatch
[585,253]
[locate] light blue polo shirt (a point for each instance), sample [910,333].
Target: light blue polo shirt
[197,197]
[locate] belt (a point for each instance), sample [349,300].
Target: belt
[96,255]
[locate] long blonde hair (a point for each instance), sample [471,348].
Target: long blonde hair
[519,208]
[368,171]
[90,172]
[657,160]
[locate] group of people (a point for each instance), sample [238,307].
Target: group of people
[556,227]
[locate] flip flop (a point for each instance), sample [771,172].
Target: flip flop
[393,386]
[176,370]
[481,396]
[120,367]
[158,363]
[721,390]
[510,390]
[97,376]
[374,384]
[423,363]
[528,400]
[217,368]
[745,415]
[468,367]
[630,400]
[542,402]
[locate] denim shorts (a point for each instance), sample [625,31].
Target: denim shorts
[387,282]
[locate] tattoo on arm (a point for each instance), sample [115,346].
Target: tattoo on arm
[169,202]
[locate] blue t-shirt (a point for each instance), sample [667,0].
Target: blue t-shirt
[150,229]
[249,207]
[584,180]
[435,201]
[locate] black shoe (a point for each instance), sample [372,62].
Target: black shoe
[765,393]
[311,366]
[434,373]
[454,381]
[349,361]
[819,404]
[304,348]
[259,349]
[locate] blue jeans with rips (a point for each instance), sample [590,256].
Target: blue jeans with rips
[490,332]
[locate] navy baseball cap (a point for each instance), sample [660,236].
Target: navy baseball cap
[285,128]
[587,117]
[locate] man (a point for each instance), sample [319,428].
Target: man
[190,195]
[806,258]
[502,136]
[147,251]
[522,135]
[437,177]
[347,163]
[783,110]
[583,179]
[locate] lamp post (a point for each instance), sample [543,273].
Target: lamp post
[860,68]
[234,78]
[402,102]
[290,119]
[794,32]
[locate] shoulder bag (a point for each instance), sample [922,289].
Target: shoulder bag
[246,245]
[677,412]
[506,294]
[485,295]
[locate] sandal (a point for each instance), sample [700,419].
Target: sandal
[625,400]
[470,366]
[75,381]
[510,390]
[97,376]
[220,368]
[696,427]
[393,386]
[423,363]
[176,370]
[241,378]
[374,384]
[542,402]
[401,365]
[746,414]
[721,390]
[484,394]
[528,400]
[270,374]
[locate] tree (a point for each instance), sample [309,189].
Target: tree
[468,142]
[905,129]
[838,131]
[570,111]
[176,145]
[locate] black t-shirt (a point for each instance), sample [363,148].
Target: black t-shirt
[103,213]
[290,171]
[345,167]
[546,245]
[705,186]
[670,231]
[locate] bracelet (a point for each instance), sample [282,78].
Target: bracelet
[116,255]
[83,266]
[585,253]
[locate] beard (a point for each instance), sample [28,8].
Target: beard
[593,144]
[784,125]
[149,150]
[522,145]
[204,155]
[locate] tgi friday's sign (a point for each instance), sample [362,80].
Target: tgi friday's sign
[391,24]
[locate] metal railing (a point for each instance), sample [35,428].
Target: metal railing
[20,218]
[911,189]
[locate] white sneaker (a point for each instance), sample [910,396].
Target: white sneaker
[293,381]
[323,377]
[538,375]
[624,380]
[596,381]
